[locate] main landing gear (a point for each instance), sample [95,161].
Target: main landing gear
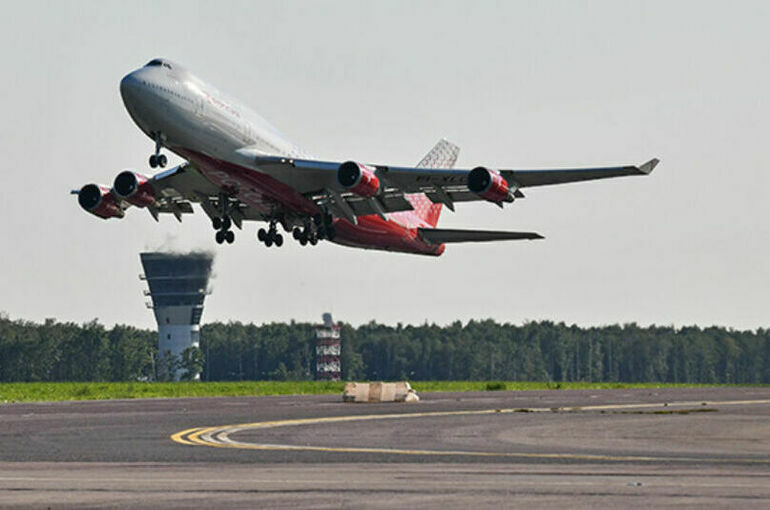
[158,159]
[271,235]
[222,226]
[320,227]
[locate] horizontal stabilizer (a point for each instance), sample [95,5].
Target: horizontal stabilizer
[446,235]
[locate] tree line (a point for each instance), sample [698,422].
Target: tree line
[477,350]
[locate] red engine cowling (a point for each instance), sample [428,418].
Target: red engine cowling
[134,188]
[489,185]
[99,201]
[358,178]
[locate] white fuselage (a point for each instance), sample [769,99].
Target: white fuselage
[223,139]
[190,113]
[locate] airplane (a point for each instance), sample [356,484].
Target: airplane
[239,168]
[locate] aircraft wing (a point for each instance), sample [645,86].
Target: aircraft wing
[422,180]
[445,235]
[174,191]
[441,185]
[180,186]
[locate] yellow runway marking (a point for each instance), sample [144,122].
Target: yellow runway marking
[179,436]
[218,437]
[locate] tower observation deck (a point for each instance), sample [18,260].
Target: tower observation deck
[178,285]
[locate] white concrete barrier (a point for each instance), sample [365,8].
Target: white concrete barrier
[379,392]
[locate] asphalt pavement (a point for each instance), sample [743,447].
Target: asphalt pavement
[587,448]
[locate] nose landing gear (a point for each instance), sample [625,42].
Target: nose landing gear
[158,159]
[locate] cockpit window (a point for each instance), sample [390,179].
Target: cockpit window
[158,62]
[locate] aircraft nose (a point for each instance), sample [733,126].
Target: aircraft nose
[129,87]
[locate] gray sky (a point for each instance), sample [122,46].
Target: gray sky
[515,84]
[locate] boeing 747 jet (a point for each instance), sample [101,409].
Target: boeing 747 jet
[240,168]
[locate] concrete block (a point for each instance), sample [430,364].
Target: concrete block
[379,392]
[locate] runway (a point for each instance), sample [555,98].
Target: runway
[701,446]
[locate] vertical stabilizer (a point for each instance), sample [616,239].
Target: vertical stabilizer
[444,156]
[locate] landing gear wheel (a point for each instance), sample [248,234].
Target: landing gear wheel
[226,223]
[220,237]
[296,234]
[229,236]
[278,240]
[153,161]
[313,240]
[216,223]
[303,241]
[268,242]
[161,160]
[262,235]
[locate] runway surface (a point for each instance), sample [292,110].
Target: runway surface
[671,447]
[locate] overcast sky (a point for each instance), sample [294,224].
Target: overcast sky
[514,84]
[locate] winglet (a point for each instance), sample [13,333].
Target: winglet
[648,167]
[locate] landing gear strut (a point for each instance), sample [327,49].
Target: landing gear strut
[271,235]
[158,159]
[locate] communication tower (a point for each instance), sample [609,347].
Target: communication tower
[178,284]
[328,351]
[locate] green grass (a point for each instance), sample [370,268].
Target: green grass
[426,386]
[48,392]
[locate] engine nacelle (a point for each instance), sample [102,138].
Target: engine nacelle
[489,185]
[358,178]
[99,201]
[134,188]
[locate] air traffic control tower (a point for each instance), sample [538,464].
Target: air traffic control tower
[178,284]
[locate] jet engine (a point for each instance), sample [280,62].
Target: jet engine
[489,185]
[99,201]
[134,188]
[358,178]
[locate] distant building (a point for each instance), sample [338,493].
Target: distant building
[328,351]
[178,285]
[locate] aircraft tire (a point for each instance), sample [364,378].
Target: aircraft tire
[268,242]
[162,160]
[278,240]
[220,237]
[262,235]
[153,161]
[229,236]
[216,223]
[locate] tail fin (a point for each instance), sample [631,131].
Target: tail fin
[442,155]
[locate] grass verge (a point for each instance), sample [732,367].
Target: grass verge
[50,392]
